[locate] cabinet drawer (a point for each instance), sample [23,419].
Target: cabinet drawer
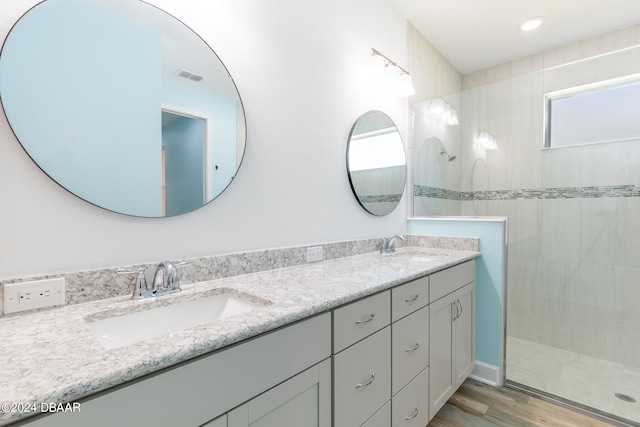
[360,319]
[407,298]
[409,348]
[382,418]
[410,407]
[446,281]
[362,379]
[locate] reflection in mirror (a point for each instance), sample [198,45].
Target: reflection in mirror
[437,158]
[376,163]
[123,105]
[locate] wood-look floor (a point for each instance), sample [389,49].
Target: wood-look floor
[480,405]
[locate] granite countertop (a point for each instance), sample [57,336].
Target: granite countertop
[52,356]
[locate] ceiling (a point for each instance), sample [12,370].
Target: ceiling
[476,34]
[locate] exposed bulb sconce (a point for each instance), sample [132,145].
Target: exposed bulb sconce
[396,78]
[486,141]
[443,112]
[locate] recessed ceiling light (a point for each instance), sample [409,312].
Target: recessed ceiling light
[532,23]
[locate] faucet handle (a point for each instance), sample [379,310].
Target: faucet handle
[140,287]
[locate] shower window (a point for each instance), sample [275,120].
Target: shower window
[606,112]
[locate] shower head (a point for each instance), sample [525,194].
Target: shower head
[449,155]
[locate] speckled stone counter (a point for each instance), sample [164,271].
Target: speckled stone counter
[52,356]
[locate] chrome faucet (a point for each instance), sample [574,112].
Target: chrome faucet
[165,280]
[388,245]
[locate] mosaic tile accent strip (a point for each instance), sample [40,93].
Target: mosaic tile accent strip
[436,193]
[533,193]
[380,198]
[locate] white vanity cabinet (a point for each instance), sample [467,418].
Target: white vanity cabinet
[451,332]
[390,359]
[286,364]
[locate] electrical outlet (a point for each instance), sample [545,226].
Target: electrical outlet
[31,295]
[315,253]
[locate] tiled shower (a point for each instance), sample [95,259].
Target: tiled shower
[573,293]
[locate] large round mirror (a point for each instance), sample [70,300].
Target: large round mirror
[376,163]
[123,105]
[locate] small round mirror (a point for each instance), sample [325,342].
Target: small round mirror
[376,163]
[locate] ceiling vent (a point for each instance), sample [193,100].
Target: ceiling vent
[188,75]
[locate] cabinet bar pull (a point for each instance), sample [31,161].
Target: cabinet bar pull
[415,414]
[367,320]
[411,299]
[414,348]
[460,314]
[373,377]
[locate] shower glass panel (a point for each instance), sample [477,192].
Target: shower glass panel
[436,165]
[573,311]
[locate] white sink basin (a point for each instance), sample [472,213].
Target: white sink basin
[119,331]
[413,256]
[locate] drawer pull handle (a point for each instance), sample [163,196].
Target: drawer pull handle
[415,298]
[366,320]
[373,377]
[414,348]
[415,414]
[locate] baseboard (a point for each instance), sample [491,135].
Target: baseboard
[488,374]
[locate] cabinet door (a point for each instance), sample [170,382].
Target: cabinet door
[302,401]
[441,343]
[465,333]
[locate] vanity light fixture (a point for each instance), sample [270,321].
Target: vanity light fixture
[396,78]
[486,141]
[532,23]
[443,112]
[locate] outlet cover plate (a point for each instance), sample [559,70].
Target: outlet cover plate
[315,254]
[25,296]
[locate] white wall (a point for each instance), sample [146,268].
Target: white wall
[298,65]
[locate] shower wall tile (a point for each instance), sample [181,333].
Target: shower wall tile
[633,240]
[524,236]
[559,284]
[504,71]
[523,281]
[631,306]
[603,232]
[595,69]
[560,229]
[594,46]
[601,297]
